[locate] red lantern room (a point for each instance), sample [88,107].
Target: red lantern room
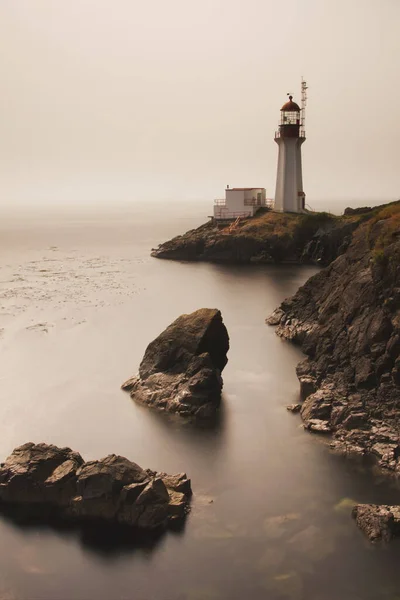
[290,119]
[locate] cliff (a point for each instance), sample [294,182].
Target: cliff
[346,319]
[267,238]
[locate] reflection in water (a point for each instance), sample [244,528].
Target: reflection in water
[270,513]
[99,537]
[275,280]
[208,433]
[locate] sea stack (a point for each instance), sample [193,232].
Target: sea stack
[181,369]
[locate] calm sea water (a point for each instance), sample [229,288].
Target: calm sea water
[80,300]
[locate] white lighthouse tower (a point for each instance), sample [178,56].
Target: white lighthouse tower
[289,193]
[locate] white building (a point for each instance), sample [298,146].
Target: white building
[239,202]
[289,193]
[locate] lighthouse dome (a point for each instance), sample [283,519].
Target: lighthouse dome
[290,106]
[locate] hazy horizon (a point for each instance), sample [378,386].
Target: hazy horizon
[127,102]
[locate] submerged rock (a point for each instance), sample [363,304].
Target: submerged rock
[56,481]
[181,369]
[378,521]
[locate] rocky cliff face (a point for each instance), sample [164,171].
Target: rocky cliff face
[181,369]
[56,482]
[347,321]
[267,238]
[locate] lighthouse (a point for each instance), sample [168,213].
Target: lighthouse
[289,193]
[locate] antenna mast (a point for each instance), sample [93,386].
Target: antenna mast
[304,89]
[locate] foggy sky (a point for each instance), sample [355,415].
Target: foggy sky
[130,100]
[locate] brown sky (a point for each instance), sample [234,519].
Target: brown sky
[126,100]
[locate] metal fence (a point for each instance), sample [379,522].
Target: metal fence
[268,202]
[232,215]
[302,134]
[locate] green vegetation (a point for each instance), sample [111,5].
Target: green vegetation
[301,227]
[286,225]
[381,237]
[379,257]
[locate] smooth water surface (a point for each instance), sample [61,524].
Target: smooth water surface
[80,300]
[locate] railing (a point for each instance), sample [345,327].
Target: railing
[222,214]
[302,134]
[267,202]
[232,215]
[247,202]
[253,202]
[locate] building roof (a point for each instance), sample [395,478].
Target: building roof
[291,106]
[243,189]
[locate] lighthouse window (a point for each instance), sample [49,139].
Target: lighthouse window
[290,118]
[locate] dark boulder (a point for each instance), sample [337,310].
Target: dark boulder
[181,369]
[39,474]
[59,482]
[108,476]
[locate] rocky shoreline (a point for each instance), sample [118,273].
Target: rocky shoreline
[379,522]
[267,238]
[346,319]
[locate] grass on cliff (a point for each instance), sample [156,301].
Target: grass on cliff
[382,225]
[383,229]
[267,224]
[290,225]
